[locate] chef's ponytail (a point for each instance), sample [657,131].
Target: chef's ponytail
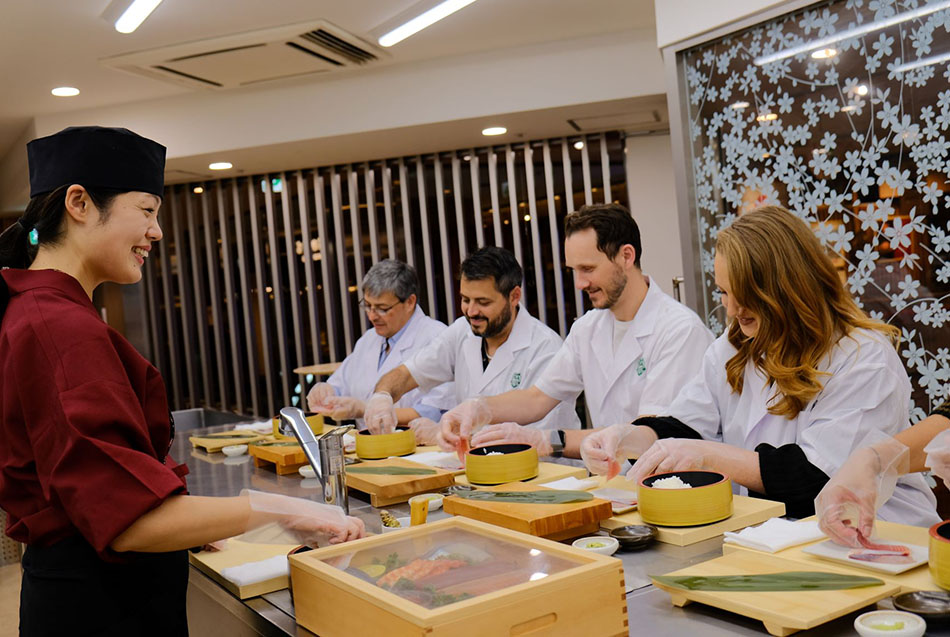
[43,218]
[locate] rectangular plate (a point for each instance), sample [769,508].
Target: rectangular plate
[828,550]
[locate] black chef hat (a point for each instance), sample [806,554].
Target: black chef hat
[96,157]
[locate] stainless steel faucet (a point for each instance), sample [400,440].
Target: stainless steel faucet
[325,453]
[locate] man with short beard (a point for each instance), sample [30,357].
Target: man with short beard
[630,355]
[495,346]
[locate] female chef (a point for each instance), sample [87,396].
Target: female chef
[85,477]
[789,390]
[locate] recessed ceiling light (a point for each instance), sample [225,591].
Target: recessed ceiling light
[220,165]
[766,117]
[423,20]
[862,89]
[65,91]
[848,108]
[198,190]
[467,158]
[494,130]
[739,105]
[579,145]
[824,54]
[135,15]
[527,217]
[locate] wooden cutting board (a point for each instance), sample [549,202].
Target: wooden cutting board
[284,456]
[235,553]
[783,613]
[547,472]
[385,490]
[916,579]
[746,511]
[214,443]
[552,521]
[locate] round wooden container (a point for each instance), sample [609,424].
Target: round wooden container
[402,442]
[940,554]
[516,462]
[709,500]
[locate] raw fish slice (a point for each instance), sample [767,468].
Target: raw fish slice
[613,469]
[880,557]
[898,549]
[462,449]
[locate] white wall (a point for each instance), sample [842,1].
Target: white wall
[649,161]
[678,20]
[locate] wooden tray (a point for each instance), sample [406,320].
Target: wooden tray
[283,459]
[551,521]
[783,613]
[547,472]
[746,511]
[385,490]
[215,443]
[916,579]
[332,603]
[211,563]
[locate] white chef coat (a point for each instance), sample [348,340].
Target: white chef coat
[457,354]
[867,389]
[360,371]
[660,352]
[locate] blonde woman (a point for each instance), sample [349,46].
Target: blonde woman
[798,380]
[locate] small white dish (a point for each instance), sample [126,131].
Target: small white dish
[892,623]
[404,523]
[307,471]
[234,450]
[828,550]
[597,544]
[435,500]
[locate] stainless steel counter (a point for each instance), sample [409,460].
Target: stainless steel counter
[649,609]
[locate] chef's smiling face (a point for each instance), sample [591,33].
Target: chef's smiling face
[747,320]
[387,313]
[123,237]
[602,278]
[487,310]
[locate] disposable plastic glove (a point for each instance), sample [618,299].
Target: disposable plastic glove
[318,394]
[849,501]
[458,424]
[426,430]
[380,414]
[605,450]
[512,432]
[341,407]
[938,456]
[306,521]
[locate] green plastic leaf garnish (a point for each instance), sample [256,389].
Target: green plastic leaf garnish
[391,471]
[767,582]
[548,496]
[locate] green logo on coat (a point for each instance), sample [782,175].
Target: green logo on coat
[641,367]
[515,380]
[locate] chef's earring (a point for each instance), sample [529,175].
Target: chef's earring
[34,237]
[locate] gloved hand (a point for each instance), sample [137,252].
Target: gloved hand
[678,454]
[318,394]
[512,432]
[380,414]
[849,501]
[426,430]
[938,456]
[341,407]
[605,450]
[460,422]
[308,522]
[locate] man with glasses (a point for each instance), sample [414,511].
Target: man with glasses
[400,328]
[494,347]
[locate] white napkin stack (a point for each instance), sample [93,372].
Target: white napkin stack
[572,484]
[254,572]
[441,459]
[260,426]
[775,535]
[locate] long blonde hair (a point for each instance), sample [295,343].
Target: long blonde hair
[779,271]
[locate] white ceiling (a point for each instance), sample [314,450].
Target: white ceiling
[48,43]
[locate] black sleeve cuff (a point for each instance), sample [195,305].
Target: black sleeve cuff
[668,427]
[789,477]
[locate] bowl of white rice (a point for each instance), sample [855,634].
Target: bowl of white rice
[685,498]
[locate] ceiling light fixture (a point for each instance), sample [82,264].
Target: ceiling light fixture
[423,20]
[766,117]
[494,130]
[65,91]
[824,54]
[848,108]
[135,15]
[862,90]
[739,105]
[198,190]
[916,64]
[579,145]
[849,34]
[220,165]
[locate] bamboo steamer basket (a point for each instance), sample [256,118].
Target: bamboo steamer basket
[709,500]
[369,446]
[940,554]
[516,462]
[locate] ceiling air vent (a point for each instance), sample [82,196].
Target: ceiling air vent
[246,59]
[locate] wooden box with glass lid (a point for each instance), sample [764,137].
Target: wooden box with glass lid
[457,577]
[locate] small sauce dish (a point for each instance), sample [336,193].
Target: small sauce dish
[404,523]
[435,500]
[234,450]
[597,544]
[892,623]
[307,471]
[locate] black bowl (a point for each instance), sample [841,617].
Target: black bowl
[634,536]
[933,606]
[505,448]
[692,478]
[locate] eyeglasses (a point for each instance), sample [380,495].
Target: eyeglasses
[379,310]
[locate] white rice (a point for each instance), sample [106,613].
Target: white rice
[495,453]
[673,482]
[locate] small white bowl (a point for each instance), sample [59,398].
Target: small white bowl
[609,544]
[307,471]
[234,450]
[404,523]
[435,500]
[913,625]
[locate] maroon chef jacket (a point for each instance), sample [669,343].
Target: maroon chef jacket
[84,420]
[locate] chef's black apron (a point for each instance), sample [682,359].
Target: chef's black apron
[69,590]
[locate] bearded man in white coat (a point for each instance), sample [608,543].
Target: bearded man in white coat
[630,355]
[400,328]
[496,345]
